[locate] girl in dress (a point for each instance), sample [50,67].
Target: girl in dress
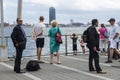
[82,44]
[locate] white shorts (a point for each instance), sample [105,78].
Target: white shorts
[113,44]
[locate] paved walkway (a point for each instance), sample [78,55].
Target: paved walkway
[72,68]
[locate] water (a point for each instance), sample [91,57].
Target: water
[31,46]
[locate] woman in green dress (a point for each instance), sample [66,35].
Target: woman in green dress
[54,46]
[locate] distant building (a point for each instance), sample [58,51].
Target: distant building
[77,24]
[52,14]
[71,21]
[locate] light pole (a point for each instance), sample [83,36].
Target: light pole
[19,10]
[3,48]
[2,23]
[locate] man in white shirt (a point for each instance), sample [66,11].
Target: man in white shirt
[38,34]
[113,39]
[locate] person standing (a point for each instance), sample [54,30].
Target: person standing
[74,42]
[102,38]
[19,40]
[93,46]
[54,46]
[113,39]
[82,44]
[38,34]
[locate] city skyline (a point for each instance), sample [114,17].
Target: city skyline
[79,10]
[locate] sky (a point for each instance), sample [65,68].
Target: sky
[78,10]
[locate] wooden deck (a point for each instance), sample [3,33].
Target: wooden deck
[72,68]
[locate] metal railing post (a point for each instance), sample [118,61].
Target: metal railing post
[66,45]
[6,41]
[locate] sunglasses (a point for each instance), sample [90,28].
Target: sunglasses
[20,21]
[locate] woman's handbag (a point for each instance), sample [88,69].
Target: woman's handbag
[58,37]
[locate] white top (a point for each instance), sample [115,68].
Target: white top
[38,28]
[113,30]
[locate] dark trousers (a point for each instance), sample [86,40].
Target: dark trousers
[94,56]
[18,59]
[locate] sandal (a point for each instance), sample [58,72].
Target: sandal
[59,63]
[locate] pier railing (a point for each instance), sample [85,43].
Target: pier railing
[66,47]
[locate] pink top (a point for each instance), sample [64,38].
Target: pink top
[82,43]
[102,31]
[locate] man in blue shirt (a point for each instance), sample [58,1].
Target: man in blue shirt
[19,40]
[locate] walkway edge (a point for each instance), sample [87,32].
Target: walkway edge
[25,74]
[79,71]
[84,60]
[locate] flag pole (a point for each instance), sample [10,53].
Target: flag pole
[2,23]
[19,10]
[3,47]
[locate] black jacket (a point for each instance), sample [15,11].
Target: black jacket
[93,38]
[18,37]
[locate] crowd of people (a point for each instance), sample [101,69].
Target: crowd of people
[101,36]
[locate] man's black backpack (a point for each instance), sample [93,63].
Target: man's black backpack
[32,65]
[85,36]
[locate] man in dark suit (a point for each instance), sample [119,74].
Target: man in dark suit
[19,40]
[93,46]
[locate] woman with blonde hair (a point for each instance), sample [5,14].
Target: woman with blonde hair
[54,46]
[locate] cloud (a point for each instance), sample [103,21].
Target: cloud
[10,3]
[44,2]
[90,5]
[30,12]
[79,10]
[87,5]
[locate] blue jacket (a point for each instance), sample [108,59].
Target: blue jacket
[18,37]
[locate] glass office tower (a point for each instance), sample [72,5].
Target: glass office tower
[52,14]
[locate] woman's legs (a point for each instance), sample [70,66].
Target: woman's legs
[51,58]
[58,58]
[104,45]
[83,49]
[101,45]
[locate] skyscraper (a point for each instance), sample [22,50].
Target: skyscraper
[52,14]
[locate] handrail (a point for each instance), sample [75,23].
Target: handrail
[63,36]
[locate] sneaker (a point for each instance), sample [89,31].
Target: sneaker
[108,61]
[102,72]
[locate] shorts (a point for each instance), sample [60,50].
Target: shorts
[40,43]
[74,47]
[113,44]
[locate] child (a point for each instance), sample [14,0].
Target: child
[82,44]
[74,40]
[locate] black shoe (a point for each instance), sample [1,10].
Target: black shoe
[14,70]
[108,61]
[21,71]
[92,70]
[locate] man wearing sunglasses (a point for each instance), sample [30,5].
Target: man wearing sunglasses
[19,40]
